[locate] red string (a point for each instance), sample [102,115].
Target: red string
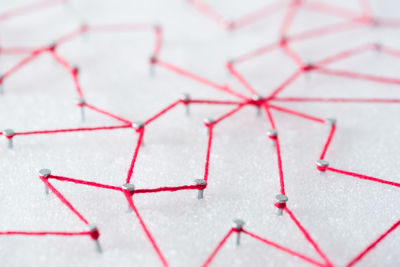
[364,177]
[36,6]
[135,154]
[308,236]
[77,181]
[199,79]
[145,229]
[169,189]
[163,111]
[286,250]
[360,76]
[285,110]
[217,249]
[328,141]
[240,78]
[63,200]
[373,245]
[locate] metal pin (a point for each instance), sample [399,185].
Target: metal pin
[202,183]
[208,122]
[131,189]
[322,165]
[238,226]
[330,121]
[153,61]
[272,134]
[280,203]
[84,30]
[94,234]
[377,46]
[9,134]
[45,173]
[231,25]
[81,104]
[307,68]
[185,100]
[138,126]
[257,99]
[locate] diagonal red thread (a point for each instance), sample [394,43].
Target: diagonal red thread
[282,248]
[36,6]
[162,112]
[364,177]
[208,153]
[63,200]
[145,229]
[217,249]
[296,113]
[308,236]
[373,244]
[198,79]
[78,181]
[241,79]
[361,76]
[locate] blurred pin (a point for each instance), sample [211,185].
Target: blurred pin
[238,227]
[44,173]
[94,234]
[138,126]
[153,62]
[257,101]
[84,30]
[280,203]
[202,183]
[208,122]
[185,98]
[9,134]
[131,189]
[81,104]
[307,68]
[330,121]
[272,134]
[322,165]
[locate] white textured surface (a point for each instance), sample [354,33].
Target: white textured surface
[343,214]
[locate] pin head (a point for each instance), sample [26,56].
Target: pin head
[185,97]
[281,198]
[153,60]
[330,121]
[8,133]
[238,224]
[322,164]
[44,172]
[200,181]
[208,121]
[129,187]
[94,232]
[308,66]
[272,133]
[81,101]
[283,40]
[138,125]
